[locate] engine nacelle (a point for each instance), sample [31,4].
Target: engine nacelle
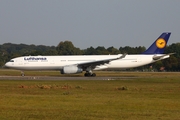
[71,70]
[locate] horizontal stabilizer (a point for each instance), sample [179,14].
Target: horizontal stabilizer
[159,57]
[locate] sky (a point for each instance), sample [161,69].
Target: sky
[87,23]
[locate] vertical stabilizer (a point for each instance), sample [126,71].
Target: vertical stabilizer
[159,45]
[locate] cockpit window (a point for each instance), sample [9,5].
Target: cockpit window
[11,61]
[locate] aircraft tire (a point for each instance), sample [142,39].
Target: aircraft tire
[93,75]
[89,75]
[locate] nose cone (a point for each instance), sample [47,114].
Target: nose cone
[7,65]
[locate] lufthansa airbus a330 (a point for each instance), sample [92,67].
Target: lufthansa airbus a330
[89,63]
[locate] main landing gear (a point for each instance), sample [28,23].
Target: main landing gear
[89,74]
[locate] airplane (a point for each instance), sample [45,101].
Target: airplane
[72,64]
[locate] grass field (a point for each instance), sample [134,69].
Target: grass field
[153,96]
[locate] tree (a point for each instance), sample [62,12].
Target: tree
[172,64]
[157,65]
[174,48]
[100,50]
[90,51]
[67,48]
[51,52]
[113,50]
[132,50]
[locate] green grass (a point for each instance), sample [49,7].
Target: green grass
[145,98]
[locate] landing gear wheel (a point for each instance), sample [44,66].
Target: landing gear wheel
[94,74]
[22,74]
[87,74]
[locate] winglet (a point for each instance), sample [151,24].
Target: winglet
[159,45]
[123,56]
[120,57]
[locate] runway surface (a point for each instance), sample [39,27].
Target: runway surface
[62,78]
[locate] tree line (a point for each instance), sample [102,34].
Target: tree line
[9,51]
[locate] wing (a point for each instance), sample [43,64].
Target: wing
[93,64]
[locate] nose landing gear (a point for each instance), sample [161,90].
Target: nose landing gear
[22,73]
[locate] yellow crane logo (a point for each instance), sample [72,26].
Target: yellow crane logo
[160,43]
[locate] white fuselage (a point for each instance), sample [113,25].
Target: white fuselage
[58,62]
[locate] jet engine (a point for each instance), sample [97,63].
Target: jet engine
[71,70]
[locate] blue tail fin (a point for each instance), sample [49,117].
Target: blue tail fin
[159,45]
